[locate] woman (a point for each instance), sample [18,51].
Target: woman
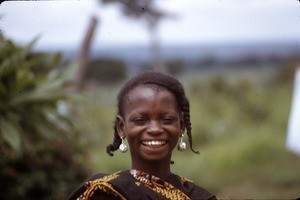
[153,114]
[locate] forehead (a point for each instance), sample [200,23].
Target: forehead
[154,87]
[146,91]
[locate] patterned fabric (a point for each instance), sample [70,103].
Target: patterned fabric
[103,186]
[156,184]
[134,184]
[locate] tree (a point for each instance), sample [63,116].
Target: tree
[145,10]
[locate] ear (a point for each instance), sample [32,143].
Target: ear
[120,124]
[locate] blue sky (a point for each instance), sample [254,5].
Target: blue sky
[63,23]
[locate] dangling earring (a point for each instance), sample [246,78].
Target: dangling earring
[182,145]
[123,147]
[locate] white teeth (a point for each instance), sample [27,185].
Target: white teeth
[154,143]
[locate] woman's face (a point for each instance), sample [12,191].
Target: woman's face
[151,124]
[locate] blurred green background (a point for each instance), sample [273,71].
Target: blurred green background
[54,136]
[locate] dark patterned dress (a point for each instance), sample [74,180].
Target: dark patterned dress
[134,184]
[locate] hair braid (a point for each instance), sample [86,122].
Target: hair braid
[187,121]
[116,143]
[184,104]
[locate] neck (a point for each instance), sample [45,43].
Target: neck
[158,169]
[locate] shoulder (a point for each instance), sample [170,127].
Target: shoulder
[195,191]
[86,185]
[119,185]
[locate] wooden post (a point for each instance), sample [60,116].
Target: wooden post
[83,56]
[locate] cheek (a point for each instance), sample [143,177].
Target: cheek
[132,133]
[131,129]
[174,132]
[174,129]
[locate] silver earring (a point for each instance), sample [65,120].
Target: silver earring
[182,145]
[123,147]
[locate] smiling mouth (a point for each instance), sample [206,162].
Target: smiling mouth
[154,143]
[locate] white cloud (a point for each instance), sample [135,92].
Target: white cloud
[65,22]
[218,20]
[56,22]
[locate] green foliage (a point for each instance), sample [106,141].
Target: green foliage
[286,74]
[39,156]
[240,124]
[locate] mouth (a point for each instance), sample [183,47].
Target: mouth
[154,143]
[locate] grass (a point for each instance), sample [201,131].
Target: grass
[239,123]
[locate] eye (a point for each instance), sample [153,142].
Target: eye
[139,121]
[168,120]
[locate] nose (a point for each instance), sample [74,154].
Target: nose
[154,128]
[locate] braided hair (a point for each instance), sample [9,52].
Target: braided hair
[160,79]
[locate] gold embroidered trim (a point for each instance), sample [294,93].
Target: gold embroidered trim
[161,187]
[103,185]
[172,194]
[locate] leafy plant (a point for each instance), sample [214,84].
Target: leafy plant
[37,141]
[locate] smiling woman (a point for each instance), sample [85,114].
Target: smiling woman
[152,125]
[153,113]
